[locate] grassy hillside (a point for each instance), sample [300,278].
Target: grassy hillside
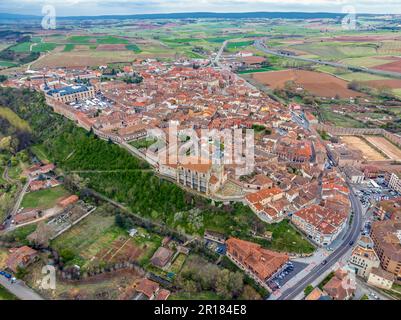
[14,119]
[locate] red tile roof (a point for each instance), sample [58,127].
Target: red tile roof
[264,263]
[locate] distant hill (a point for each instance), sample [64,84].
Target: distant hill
[9,16]
[191,15]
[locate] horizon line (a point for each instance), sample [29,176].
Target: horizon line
[198,12]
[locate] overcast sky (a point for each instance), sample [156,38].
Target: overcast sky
[105,7]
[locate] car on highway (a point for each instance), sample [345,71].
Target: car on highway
[351,243]
[324,262]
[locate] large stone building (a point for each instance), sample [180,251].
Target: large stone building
[386,236]
[70,93]
[259,263]
[202,176]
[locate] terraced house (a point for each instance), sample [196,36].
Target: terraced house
[320,224]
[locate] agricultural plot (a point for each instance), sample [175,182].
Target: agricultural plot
[336,50]
[7,64]
[319,84]
[96,240]
[107,286]
[339,120]
[388,148]
[96,40]
[368,62]
[69,47]
[21,47]
[43,47]
[177,264]
[84,58]
[369,153]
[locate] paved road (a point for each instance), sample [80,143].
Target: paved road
[262,47]
[17,203]
[5,175]
[351,235]
[20,290]
[217,58]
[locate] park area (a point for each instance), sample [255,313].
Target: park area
[317,83]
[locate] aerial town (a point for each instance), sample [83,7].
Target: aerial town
[121,178]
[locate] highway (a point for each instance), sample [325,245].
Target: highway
[262,47]
[351,236]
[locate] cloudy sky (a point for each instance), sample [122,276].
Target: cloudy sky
[105,7]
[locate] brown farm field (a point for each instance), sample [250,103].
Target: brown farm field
[390,83]
[320,84]
[389,149]
[393,66]
[369,153]
[83,59]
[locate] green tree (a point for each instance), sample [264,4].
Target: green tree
[308,290]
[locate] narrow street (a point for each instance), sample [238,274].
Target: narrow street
[20,289]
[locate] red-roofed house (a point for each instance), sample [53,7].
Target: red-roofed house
[68,201]
[21,258]
[261,264]
[265,204]
[151,290]
[320,224]
[341,286]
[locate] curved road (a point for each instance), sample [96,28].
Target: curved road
[262,47]
[351,235]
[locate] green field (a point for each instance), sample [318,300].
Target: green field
[143,143]
[69,47]
[96,40]
[22,47]
[44,47]
[95,235]
[273,68]
[239,44]
[7,64]
[79,39]
[111,40]
[287,238]
[133,47]
[44,199]
[336,50]
[344,121]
